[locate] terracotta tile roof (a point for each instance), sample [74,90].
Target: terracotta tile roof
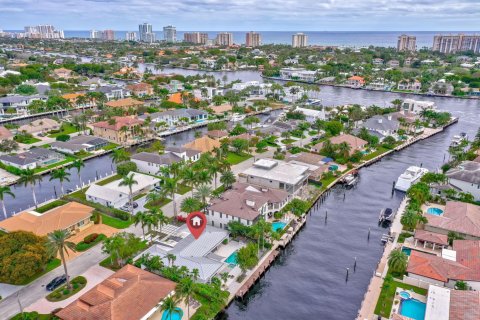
[431,237]
[58,218]
[221,108]
[177,97]
[354,142]
[139,87]
[464,305]
[130,293]
[72,96]
[217,134]
[124,103]
[458,216]
[119,123]
[203,144]
[357,78]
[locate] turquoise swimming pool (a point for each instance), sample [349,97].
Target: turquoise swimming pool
[232,259]
[333,167]
[406,250]
[176,315]
[278,225]
[435,211]
[412,308]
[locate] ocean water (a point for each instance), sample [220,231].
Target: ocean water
[333,38]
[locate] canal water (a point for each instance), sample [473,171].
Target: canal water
[308,281]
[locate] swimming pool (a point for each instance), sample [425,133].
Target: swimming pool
[176,315]
[333,167]
[278,225]
[232,259]
[412,308]
[405,295]
[435,211]
[406,250]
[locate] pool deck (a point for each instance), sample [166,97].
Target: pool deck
[396,301]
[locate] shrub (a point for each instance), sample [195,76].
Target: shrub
[124,168]
[125,216]
[90,238]
[75,285]
[63,137]
[79,280]
[65,292]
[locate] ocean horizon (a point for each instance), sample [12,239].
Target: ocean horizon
[322,38]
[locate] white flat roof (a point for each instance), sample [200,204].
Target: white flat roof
[143,181]
[438,303]
[449,254]
[286,172]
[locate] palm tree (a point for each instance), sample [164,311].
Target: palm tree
[78,164]
[162,219]
[151,219]
[195,274]
[203,177]
[139,219]
[397,261]
[228,179]
[119,155]
[190,204]
[170,186]
[58,245]
[28,177]
[185,290]
[344,149]
[4,190]
[189,177]
[60,175]
[169,306]
[129,181]
[171,259]
[203,192]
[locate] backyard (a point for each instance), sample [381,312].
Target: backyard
[235,158]
[67,128]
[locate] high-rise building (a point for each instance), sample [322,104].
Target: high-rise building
[253,39]
[43,32]
[456,43]
[224,39]
[95,34]
[195,37]
[131,36]
[299,40]
[108,35]
[170,34]
[145,32]
[406,43]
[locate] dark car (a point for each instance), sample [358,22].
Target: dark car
[55,283]
[135,205]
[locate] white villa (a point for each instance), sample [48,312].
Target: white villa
[416,106]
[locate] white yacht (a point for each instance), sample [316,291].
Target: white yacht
[458,139]
[409,177]
[237,117]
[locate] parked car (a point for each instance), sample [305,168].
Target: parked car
[158,188]
[56,282]
[135,205]
[69,191]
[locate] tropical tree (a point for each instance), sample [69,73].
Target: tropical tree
[162,219]
[203,177]
[58,244]
[185,290]
[170,186]
[119,155]
[461,285]
[297,207]
[61,175]
[191,204]
[344,149]
[78,164]
[151,219]
[5,190]
[122,246]
[171,259]
[129,181]
[228,179]
[28,177]
[213,169]
[397,261]
[139,219]
[169,306]
[189,177]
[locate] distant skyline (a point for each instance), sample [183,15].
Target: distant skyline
[244,15]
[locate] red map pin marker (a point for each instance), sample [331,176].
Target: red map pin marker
[196,222]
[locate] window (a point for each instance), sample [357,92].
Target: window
[213,224]
[220,214]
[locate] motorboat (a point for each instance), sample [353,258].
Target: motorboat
[237,117]
[350,179]
[409,177]
[386,215]
[458,139]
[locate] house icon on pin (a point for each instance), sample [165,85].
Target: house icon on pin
[196,221]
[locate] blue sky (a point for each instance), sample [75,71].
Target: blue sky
[261,15]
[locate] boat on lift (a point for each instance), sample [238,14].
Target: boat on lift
[350,179]
[458,139]
[386,215]
[409,177]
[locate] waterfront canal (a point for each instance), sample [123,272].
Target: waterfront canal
[308,279]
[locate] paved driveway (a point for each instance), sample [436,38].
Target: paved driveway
[94,276]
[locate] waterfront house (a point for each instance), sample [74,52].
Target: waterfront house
[177,116]
[73,99]
[151,163]
[459,264]
[31,159]
[125,103]
[245,203]
[113,92]
[466,177]
[193,253]
[203,144]
[448,304]
[393,63]
[460,217]
[62,73]
[312,114]
[114,195]
[140,89]
[79,143]
[298,74]
[386,125]
[129,293]
[115,131]
[217,134]
[409,85]
[19,103]
[415,106]
[72,217]
[43,125]
[185,153]
[277,174]
[221,109]
[355,143]
[356,82]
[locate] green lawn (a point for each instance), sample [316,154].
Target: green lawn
[138,196]
[114,222]
[108,180]
[182,188]
[110,146]
[403,236]
[287,141]
[67,128]
[52,264]
[380,150]
[82,246]
[327,181]
[33,315]
[68,159]
[80,194]
[234,158]
[51,205]
[157,204]
[387,295]
[28,140]
[107,262]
